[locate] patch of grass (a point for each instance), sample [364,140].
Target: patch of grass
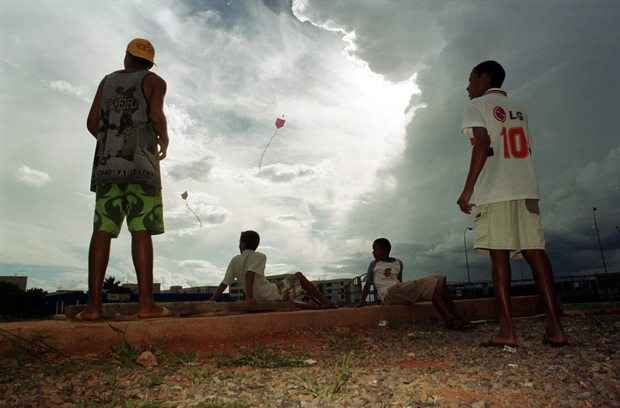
[342,374]
[152,381]
[219,404]
[261,357]
[185,358]
[330,387]
[144,404]
[197,375]
[126,354]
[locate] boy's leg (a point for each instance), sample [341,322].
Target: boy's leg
[106,225]
[500,260]
[312,290]
[144,219]
[444,305]
[541,269]
[142,254]
[98,256]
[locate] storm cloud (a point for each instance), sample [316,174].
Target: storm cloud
[560,64]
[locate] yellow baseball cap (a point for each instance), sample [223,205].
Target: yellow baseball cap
[141,48]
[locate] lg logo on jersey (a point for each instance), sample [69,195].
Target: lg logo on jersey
[500,114]
[516,115]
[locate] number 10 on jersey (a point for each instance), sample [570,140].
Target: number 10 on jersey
[516,145]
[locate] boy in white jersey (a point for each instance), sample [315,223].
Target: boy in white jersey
[506,214]
[386,274]
[248,269]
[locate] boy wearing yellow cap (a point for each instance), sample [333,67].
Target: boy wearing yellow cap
[128,121]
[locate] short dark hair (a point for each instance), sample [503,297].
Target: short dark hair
[383,243]
[140,62]
[251,239]
[494,70]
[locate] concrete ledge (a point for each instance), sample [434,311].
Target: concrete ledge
[125,311]
[199,333]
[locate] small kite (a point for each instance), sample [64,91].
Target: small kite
[279,124]
[184,197]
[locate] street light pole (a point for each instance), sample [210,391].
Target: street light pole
[598,238]
[466,256]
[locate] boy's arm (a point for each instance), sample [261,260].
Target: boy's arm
[369,281]
[94,115]
[155,91]
[219,291]
[479,154]
[249,286]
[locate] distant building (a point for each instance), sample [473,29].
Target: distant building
[57,301]
[344,291]
[134,287]
[19,281]
[204,290]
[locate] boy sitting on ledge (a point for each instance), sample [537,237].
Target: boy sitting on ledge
[248,269]
[386,274]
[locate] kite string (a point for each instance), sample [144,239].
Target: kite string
[193,212]
[260,164]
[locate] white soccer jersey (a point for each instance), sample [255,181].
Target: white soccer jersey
[385,275]
[508,173]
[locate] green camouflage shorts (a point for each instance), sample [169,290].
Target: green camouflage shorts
[141,205]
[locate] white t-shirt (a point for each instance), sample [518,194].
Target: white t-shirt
[253,261]
[508,173]
[385,275]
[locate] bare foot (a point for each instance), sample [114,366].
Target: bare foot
[89,314]
[555,340]
[153,312]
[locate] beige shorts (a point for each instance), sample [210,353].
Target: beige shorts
[408,293]
[290,287]
[509,225]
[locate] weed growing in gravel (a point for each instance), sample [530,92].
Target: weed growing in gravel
[144,404]
[260,357]
[126,354]
[152,381]
[333,385]
[216,404]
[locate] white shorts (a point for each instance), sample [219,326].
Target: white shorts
[408,293]
[508,225]
[290,288]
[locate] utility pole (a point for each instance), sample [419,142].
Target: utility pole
[598,238]
[466,256]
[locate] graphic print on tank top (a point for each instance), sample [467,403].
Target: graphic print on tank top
[126,142]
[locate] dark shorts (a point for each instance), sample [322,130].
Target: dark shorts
[140,204]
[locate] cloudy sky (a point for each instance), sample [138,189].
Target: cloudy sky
[373,94]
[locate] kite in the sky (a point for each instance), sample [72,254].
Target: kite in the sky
[279,124]
[184,197]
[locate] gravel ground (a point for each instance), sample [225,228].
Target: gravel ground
[406,366]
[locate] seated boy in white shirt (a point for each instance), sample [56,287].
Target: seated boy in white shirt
[386,274]
[248,269]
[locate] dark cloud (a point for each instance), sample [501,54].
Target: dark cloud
[560,64]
